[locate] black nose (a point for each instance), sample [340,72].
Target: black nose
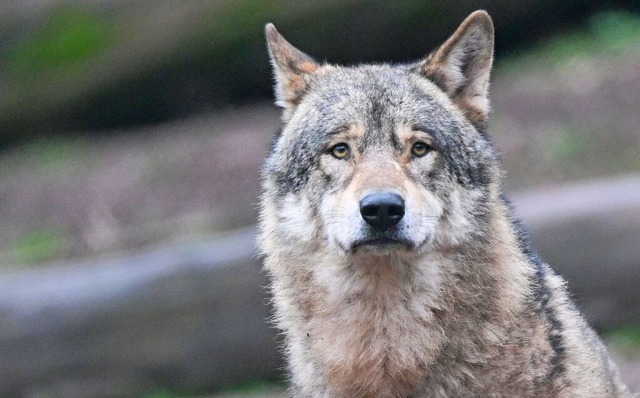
[382,210]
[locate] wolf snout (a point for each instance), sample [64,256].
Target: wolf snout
[382,210]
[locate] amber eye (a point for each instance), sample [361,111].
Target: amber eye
[340,151]
[420,149]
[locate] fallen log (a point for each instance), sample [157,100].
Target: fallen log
[183,318]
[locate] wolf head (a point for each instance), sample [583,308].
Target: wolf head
[382,159]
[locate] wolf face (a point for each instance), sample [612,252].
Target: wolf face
[383,159]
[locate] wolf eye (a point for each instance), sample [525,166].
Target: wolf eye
[340,151]
[420,149]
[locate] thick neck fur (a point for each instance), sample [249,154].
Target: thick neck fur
[399,325]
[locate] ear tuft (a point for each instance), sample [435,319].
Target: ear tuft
[462,65]
[291,67]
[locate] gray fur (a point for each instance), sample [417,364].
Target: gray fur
[458,304]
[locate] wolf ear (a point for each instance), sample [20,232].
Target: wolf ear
[291,69]
[462,65]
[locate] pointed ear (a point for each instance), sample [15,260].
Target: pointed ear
[462,65]
[291,69]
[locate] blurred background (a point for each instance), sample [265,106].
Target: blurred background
[132,133]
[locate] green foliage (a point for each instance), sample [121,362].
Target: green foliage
[567,143]
[68,38]
[37,246]
[626,338]
[53,152]
[235,20]
[162,394]
[170,394]
[249,387]
[616,30]
[608,32]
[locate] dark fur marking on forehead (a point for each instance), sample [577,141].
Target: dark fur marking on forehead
[377,110]
[380,125]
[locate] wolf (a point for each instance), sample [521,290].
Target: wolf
[397,267]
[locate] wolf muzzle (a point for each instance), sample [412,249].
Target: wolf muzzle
[382,210]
